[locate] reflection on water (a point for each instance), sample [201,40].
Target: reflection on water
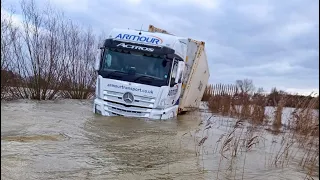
[64,140]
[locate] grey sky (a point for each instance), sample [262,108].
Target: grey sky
[274,43]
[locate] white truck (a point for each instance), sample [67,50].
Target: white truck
[149,74]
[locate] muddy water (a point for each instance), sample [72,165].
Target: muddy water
[65,140]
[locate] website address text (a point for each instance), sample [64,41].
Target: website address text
[130,88]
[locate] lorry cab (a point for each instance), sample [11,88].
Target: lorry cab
[140,74]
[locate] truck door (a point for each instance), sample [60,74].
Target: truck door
[175,83]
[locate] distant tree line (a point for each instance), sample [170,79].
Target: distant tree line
[246,88]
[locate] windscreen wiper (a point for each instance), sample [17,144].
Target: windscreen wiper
[144,76]
[116,72]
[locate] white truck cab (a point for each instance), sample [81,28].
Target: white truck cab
[140,74]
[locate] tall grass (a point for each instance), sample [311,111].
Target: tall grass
[299,133]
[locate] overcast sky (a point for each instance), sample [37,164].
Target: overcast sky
[273,42]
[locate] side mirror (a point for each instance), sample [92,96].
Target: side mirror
[97,61]
[179,72]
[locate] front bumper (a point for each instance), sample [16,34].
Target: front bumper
[106,108]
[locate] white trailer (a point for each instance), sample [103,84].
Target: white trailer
[196,73]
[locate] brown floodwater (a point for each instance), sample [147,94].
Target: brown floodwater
[64,140]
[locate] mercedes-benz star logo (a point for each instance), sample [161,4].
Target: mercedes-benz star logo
[128,97]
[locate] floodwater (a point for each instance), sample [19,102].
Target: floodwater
[65,140]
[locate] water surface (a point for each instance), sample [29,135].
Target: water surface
[65,140]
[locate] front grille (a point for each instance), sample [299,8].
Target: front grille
[115,105]
[142,101]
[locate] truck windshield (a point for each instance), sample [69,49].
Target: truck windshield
[135,67]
